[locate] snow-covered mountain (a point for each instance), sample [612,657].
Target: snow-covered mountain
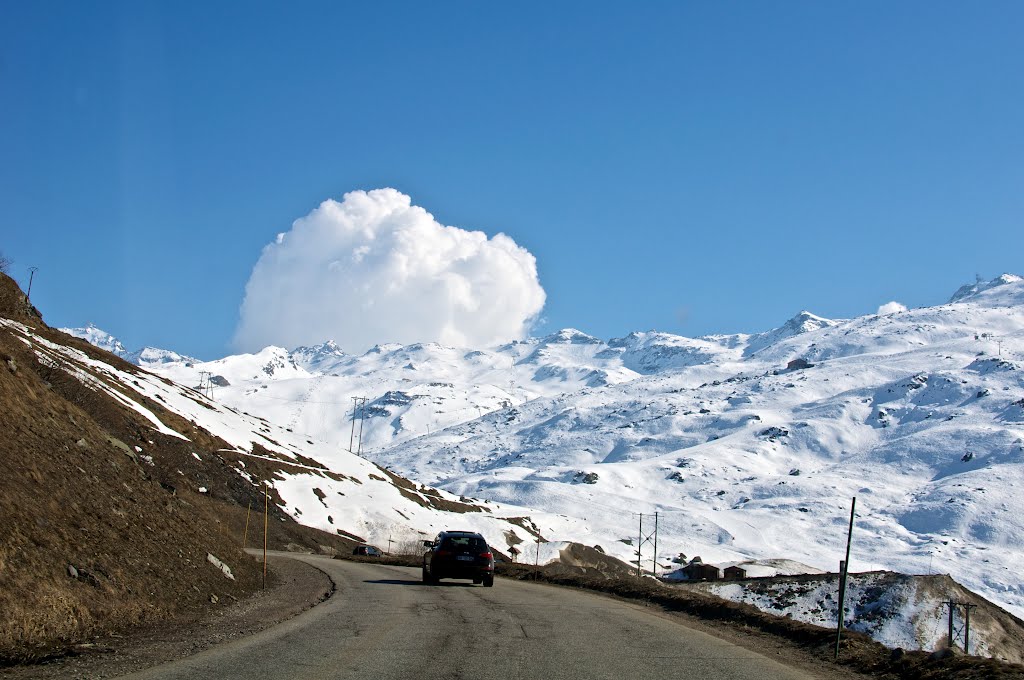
[317,484]
[147,356]
[743,454]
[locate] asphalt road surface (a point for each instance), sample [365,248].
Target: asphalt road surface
[382,622]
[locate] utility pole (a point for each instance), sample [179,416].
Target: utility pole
[352,434]
[358,403]
[206,384]
[651,537]
[844,570]
[389,544]
[266,510]
[654,560]
[952,605]
[640,545]
[967,626]
[31,275]
[362,417]
[245,535]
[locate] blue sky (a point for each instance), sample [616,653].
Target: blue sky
[688,167]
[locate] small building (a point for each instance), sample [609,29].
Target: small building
[696,570]
[798,365]
[735,572]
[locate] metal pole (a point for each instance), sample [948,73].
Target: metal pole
[245,536]
[967,628]
[362,417]
[951,605]
[654,561]
[266,506]
[640,545]
[31,275]
[352,434]
[845,570]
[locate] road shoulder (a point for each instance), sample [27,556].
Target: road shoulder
[297,586]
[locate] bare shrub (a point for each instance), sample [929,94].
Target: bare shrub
[408,545]
[5,263]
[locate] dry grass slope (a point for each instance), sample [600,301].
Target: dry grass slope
[93,537]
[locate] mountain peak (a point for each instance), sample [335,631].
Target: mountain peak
[980,286]
[317,356]
[805,321]
[98,337]
[148,356]
[570,336]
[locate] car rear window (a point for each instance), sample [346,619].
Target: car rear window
[465,543]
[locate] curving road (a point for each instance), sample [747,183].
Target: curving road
[382,622]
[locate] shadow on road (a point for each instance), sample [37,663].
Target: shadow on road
[405,582]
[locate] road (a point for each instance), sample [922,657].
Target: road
[382,622]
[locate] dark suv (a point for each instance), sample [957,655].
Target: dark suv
[367,551]
[458,554]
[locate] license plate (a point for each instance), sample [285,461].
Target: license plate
[464,558]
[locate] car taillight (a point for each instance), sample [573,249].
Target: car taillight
[443,553]
[486,555]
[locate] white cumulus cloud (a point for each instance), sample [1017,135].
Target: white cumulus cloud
[891,308]
[374,268]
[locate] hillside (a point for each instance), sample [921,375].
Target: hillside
[92,541]
[899,610]
[126,495]
[918,413]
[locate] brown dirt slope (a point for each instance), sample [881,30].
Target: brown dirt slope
[97,536]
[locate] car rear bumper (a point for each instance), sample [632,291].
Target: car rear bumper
[462,571]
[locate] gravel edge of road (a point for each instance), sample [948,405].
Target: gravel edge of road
[297,587]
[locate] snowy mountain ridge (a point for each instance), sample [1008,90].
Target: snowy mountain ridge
[917,413]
